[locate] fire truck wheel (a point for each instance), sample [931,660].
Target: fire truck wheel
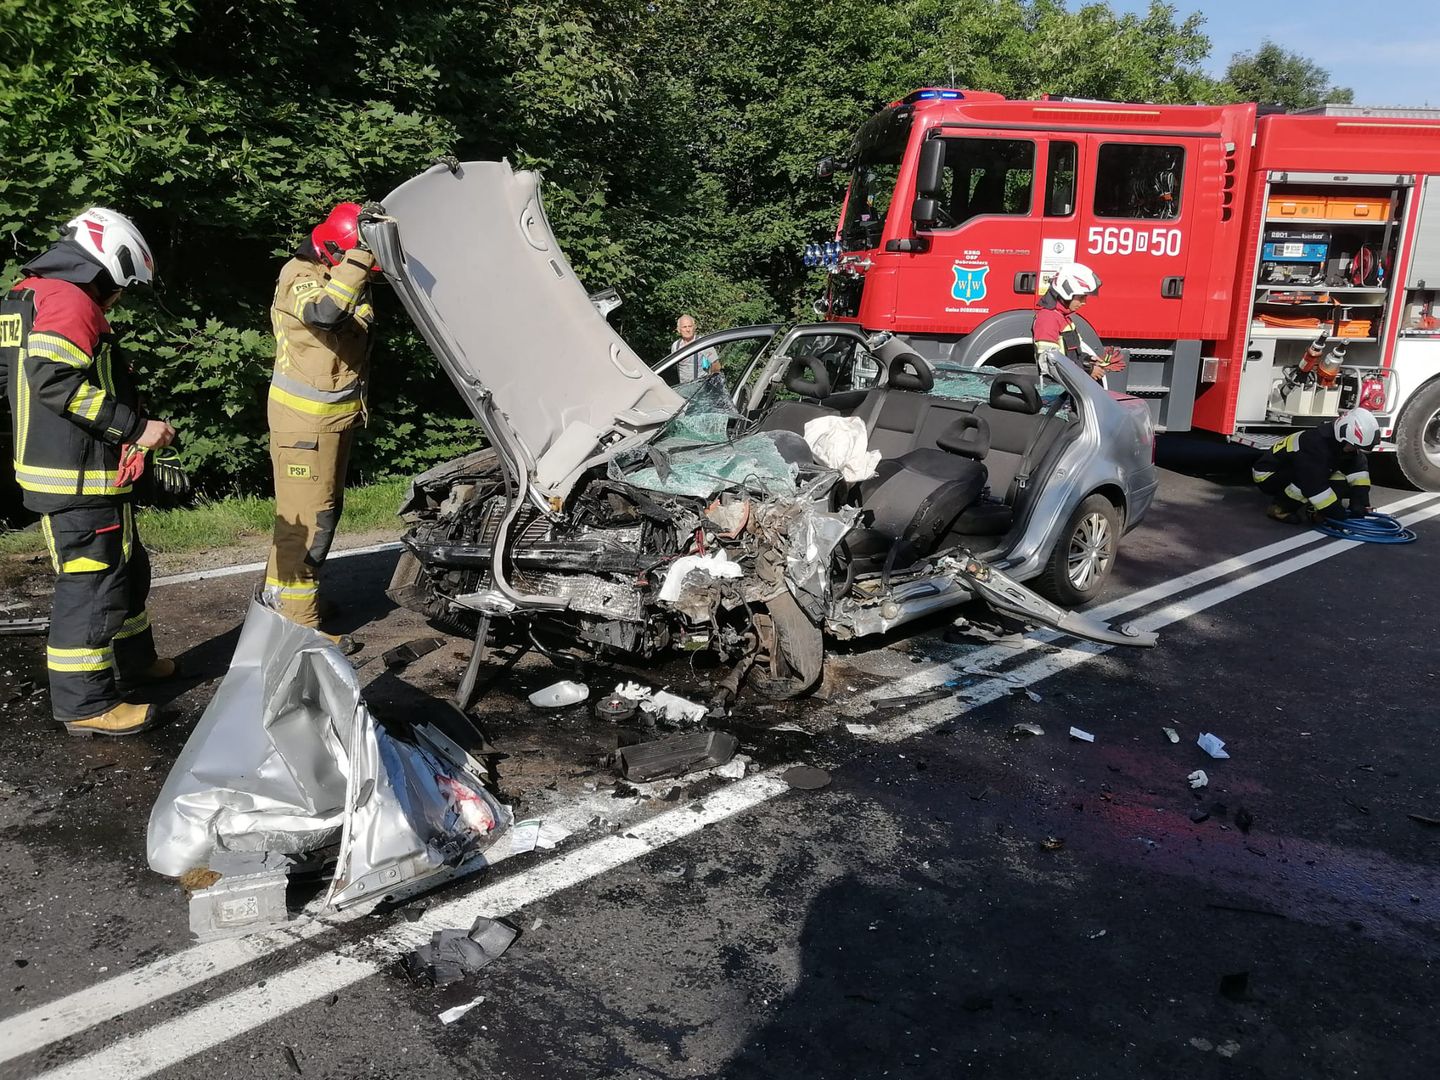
[1084,554]
[1417,439]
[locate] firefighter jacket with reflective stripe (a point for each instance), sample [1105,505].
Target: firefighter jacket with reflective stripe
[321,319]
[1054,331]
[73,400]
[1313,460]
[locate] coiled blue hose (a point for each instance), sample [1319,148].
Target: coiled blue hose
[1373,528]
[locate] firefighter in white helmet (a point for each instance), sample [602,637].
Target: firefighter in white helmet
[1056,337]
[1311,472]
[77,415]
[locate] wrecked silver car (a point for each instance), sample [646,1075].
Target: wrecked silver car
[614,514]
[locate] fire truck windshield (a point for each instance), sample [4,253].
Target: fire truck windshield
[875,154]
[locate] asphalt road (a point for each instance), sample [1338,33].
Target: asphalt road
[957,900]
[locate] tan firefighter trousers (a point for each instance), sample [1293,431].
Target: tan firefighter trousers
[309,495]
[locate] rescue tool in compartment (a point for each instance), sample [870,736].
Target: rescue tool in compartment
[1227,241]
[611,515]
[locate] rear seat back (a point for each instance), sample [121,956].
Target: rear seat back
[1014,416]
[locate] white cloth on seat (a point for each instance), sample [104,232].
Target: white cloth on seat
[839,442]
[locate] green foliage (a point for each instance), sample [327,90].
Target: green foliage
[678,142]
[1274,76]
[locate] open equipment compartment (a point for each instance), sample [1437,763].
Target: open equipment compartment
[1322,297]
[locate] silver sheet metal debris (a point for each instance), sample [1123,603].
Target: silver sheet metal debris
[286,765]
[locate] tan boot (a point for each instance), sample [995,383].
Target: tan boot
[123,719]
[348,645]
[160,669]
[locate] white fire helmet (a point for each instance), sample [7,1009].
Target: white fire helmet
[1075,279]
[1358,427]
[113,241]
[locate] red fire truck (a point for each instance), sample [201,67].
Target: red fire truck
[1228,241]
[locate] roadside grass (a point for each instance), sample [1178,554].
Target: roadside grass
[215,523]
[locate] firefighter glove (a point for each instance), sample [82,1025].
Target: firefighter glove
[132,465]
[169,477]
[1359,503]
[1333,512]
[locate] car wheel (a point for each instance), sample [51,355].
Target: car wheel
[1417,439]
[1084,554]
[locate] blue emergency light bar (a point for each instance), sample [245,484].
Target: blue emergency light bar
[927,95]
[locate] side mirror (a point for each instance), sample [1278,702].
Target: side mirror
[825,168]
[930,173]
[924,213]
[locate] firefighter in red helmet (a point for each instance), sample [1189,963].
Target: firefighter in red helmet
[322,320]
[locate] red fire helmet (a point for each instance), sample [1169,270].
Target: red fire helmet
[337,234]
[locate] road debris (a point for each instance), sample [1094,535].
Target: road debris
[449,1016]
[1244,819]
[288,762]
[805,777]
[1198,779]
[1033,696]
[675,755]
[911,700]
[616,708]
[560,695]
[1199,815]
[1211,745]
[1052,843]
[1095,935]
[673,707]
[1171,734]
[23,627]
[1423,819]
[451,955]
[1021,731]
[734,769]
[410,651]
[1083,736]
[532,833]
[292,1060]
[861,729]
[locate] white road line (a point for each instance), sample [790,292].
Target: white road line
[256,567]
[70,1015]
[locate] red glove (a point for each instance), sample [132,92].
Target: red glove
[1112,359]
[132,465]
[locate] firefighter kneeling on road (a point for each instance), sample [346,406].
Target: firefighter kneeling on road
[77,416]
[1054,332]
[321,318]
[1311,472]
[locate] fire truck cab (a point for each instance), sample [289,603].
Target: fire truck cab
[1227,242]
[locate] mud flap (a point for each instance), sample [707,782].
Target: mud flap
[1006,594]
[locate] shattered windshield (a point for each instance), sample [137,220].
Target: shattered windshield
[696,456]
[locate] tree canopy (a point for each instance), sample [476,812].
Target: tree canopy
[1274,76]
[678,140]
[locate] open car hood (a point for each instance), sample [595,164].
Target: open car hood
[472,257]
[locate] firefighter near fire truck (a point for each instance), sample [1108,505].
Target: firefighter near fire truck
[1057,339]
[1312,474]
[78,424]
[322,319]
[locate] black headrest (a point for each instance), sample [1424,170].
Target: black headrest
[968,435]
[909,371]
[817,387]
[1015,393]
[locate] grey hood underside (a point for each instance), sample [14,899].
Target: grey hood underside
[473,258]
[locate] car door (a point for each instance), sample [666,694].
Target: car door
[1135,216]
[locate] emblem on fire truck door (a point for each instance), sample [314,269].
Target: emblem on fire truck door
[969,281]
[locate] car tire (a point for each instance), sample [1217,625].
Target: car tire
[1084,554]
[1417,439]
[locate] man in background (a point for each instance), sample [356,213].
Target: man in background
[699,364]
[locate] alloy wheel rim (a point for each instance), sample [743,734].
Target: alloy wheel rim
[1090,551]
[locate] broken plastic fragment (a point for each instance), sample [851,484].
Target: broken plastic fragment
[532,833]
[560,695]
[1198,779]
[1021,730]
[676,755]
[1171,734]
[1083,736]
[861,729]
[1211,745]
[715,564]
[454,954]
[449,1016]
[733,769]
[805,777]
